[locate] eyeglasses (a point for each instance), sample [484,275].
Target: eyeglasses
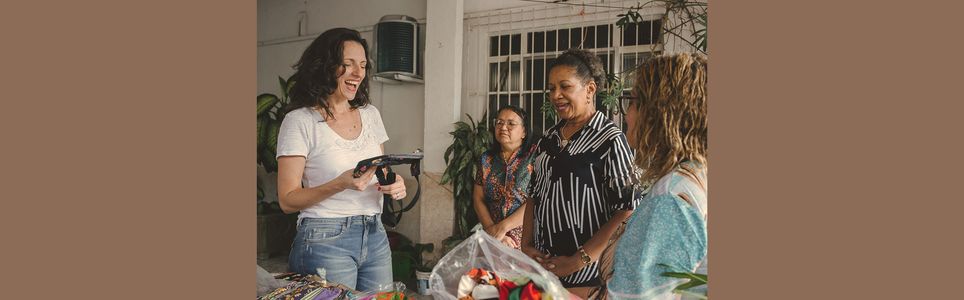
[508,124]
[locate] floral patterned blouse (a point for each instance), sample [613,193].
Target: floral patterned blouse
[504,184]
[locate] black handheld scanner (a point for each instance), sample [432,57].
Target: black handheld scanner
[389,160]
[391,216]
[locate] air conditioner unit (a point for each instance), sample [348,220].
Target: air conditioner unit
[399,48]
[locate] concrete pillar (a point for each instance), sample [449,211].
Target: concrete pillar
[443,93]
[443,77]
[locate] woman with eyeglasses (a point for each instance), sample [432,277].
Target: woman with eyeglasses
[502,176]
[666,124]
[583,183]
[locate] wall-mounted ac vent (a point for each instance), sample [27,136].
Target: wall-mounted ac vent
[399,48]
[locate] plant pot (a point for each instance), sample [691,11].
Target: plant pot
[276,231]
[422,278]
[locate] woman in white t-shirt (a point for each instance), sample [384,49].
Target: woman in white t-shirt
[330,126]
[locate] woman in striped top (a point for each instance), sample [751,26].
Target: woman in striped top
[584,181]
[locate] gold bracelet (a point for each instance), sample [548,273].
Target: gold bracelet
[586,259]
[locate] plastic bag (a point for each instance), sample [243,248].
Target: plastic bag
[392,291]
[662,292]
[482,251]
[267,282]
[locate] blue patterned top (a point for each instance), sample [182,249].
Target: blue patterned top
[504,183]
[668,227]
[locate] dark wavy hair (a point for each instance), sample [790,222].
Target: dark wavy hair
[319,67]
[588,66]
[495,147]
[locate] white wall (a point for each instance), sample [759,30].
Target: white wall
[472,6]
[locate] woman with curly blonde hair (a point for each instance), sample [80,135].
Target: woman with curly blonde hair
[667,127]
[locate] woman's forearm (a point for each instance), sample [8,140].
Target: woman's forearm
[527,224]
[478,202]
[595,246]
[301,198]
[515,219]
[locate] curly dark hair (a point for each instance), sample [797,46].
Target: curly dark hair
[319,68]
[588,66]
[670,101]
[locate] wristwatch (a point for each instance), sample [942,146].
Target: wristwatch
[585,257]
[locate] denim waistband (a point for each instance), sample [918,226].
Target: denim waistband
[362,219]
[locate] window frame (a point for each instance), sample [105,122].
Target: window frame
[516,85]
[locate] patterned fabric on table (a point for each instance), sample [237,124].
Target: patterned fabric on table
[504,184]
[308,287]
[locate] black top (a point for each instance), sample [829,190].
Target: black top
[576,188]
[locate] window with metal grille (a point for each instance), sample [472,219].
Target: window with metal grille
[518,62]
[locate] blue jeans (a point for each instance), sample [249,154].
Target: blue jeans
[353,251]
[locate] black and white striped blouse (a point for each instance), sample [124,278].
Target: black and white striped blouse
[577,187]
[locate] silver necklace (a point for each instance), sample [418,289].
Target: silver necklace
[562,134]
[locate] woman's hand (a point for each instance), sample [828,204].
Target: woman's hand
[509,242]
[563,265]
[534,253]
[348,182]
[497,231]
[396,190]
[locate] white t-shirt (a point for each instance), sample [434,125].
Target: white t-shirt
[327,155]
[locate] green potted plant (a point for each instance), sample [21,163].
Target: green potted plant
[407,256]
[276,230]
[469,141]
[423,267]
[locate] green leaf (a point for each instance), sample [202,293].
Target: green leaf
[621,22]
[291,83]
[282,84]
[466,159]
[460,128]
[688,285]
[266,102]
[448,151]
[445,178]
[675,274]
[272,135]
[471,120]
[269,161]
[262,132]
[693,276]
